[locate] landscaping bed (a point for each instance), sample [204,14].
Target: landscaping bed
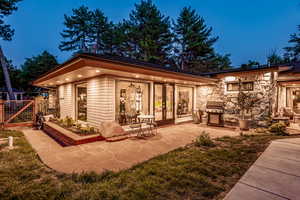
[75,127]
[66,137]
[202,170]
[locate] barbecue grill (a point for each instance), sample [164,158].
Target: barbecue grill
[215,111]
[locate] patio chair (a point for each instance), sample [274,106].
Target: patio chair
[288,112]
[137,128]
[152,130]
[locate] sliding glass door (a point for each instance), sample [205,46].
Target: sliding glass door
[163,103]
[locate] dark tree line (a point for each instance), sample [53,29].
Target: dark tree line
[147,35]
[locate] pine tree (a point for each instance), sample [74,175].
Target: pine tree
[36,66]
[294,50]
[101,33]
[194,43]
[7,7]
[78,32]
[149,33]
[275,59]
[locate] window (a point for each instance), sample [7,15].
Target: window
[81,98]
[184,101]
[132,99]
[245,86]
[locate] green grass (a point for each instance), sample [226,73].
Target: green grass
[187,173]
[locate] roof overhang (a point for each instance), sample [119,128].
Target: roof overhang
[83,67]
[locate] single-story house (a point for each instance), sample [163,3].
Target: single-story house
[95,88]
[98,88]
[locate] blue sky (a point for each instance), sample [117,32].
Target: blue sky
[248,29]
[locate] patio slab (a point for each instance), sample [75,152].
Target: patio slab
[275,174]
[115,156]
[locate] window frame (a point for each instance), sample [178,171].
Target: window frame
[242,89]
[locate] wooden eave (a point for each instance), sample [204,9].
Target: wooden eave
[84,61]
[245,73]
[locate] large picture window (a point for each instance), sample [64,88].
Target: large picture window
[184,101]
[132,99]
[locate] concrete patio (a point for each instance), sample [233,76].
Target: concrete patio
[100,156]
[275,175]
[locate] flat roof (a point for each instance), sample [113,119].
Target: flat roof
[126,62]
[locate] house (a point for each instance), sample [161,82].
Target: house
[96,88]
[17,93]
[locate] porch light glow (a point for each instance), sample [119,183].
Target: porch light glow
[229,78]
[67,79]
[97,71]
[58,81]
[79,75]
[137,76]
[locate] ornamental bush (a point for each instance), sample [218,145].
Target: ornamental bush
[278,128]
[204,140]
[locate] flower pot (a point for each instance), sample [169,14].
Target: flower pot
[244,124]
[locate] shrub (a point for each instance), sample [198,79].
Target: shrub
[68,121]
[204,140]
[278,129]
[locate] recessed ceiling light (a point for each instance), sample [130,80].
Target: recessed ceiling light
[58,81]
[136,76]
[67,79]
[79,75]
[97,71]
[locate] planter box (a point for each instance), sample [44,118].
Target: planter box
[67,138]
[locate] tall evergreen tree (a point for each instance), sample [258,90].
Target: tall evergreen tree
[149,33]
[194,43]
[251,64]
[77,35]
[7,7]
[275,59]
[294,50]
[101,32]
[36,66]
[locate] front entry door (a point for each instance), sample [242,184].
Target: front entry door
[163,103]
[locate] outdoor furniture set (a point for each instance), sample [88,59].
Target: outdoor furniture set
[144,126]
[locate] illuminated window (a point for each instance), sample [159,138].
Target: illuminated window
[132,99]
[81,96]
[245,86]
[184,101]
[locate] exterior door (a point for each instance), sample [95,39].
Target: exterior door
[164,103]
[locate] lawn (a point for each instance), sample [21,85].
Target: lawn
[192,172]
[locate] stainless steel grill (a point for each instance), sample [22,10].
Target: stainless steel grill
[215,110]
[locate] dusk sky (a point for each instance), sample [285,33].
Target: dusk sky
[248,29]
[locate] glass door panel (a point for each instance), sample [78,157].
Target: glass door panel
[169,102]
[81,99]
[163,103]
[158,102]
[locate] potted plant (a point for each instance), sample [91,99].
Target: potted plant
[244,103]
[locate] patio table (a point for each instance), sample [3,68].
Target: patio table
[148,118]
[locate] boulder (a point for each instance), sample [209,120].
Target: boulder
[111,129]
